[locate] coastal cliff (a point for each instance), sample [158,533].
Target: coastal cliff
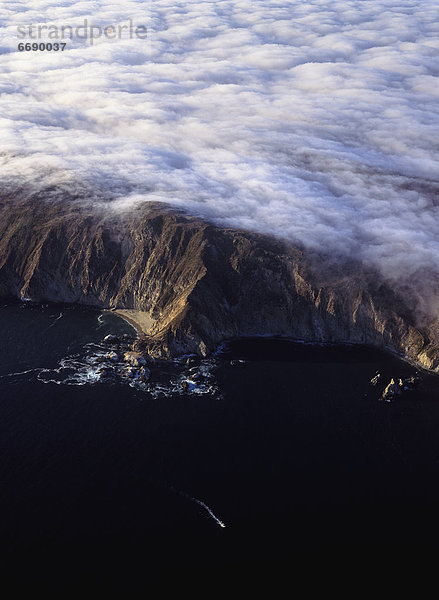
[189,285]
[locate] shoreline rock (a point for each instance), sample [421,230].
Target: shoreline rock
[135,359]
[396,388]
[392,390]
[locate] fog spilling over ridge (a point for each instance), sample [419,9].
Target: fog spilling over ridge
[314,121]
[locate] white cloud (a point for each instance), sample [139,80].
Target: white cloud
[315,121]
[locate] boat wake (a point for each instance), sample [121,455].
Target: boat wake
[203,505]
[60,316]
[209,511]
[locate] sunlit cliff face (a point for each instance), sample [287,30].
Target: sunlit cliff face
[314,121]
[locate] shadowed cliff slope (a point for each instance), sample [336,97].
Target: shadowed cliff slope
[200,284]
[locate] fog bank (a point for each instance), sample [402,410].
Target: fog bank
[314,121]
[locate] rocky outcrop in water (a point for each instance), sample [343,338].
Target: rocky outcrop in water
[198,284]
[393,390]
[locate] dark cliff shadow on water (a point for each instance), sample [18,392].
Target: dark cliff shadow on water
[293,452]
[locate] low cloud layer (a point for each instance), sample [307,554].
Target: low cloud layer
[314,121]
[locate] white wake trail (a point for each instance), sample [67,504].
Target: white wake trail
[202,504]
[60,316]
[209,510]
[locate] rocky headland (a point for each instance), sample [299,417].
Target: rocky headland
[188,285]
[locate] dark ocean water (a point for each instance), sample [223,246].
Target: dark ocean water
[291,450]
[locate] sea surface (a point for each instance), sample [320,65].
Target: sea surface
[279,447]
